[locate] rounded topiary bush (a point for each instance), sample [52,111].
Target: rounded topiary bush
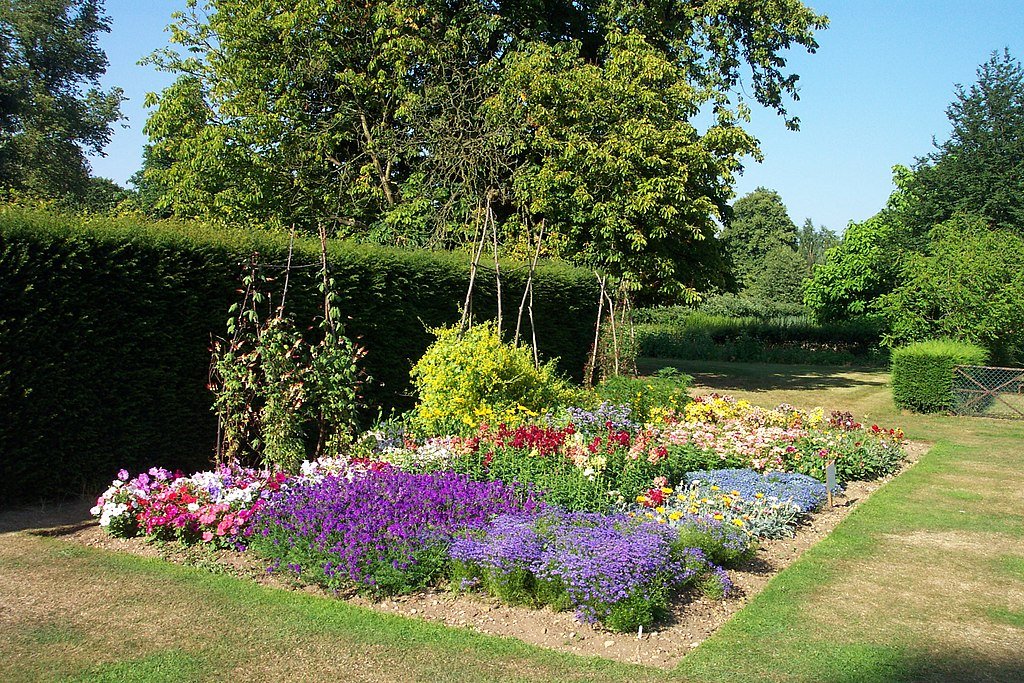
[922,372]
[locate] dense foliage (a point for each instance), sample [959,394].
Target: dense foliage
[52,110]
[758,224]
[922,373]
[682,333]
[968,284]
[136,303]
[472,376]
[770,258]
[412,123]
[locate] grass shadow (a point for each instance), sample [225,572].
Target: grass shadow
[963,667]
[52,519]
[763,377]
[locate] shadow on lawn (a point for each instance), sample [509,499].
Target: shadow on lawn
[768,377]
[47,517]
[774,381]
[928,667]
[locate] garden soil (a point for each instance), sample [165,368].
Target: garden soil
[692,619]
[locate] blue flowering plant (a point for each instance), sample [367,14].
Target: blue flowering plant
[611,569]
[762,505]
[806,492]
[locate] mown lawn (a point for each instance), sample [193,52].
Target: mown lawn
[925,581]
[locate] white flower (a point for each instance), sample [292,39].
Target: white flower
[111,510]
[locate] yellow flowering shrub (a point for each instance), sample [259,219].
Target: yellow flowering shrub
[716,408]
[471,377]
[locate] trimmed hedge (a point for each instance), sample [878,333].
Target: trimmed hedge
[105,329]
[677,332]
[922,373]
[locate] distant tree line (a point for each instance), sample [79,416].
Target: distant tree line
[943,258]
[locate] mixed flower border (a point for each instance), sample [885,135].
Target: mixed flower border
[587,510]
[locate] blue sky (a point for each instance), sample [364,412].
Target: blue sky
[873,95]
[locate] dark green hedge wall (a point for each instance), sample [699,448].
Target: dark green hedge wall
[105,328]
[922,373]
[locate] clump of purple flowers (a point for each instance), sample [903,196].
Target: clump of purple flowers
[384,532]
[807,493]
[612,569]
[603,418]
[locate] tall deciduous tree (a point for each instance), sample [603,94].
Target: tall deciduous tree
[813,242]
[396,121]
[866,263]
[968,285]
[52,110]
[758,224]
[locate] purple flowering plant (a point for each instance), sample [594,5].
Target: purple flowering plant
[382,533]
[611,568]
[598,421]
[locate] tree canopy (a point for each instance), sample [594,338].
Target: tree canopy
[52,110]
[402,122]
[980,168]
[969,285]
[759,224]
[865,265]
[943,258]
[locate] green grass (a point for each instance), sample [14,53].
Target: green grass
[172,666]
[922,582]
[914,584]
[144,619]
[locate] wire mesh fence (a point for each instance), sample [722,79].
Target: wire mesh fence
[988,391]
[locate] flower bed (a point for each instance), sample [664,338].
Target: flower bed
[214,507]
[385,532]
[586,509]
[610,568]
[583,464]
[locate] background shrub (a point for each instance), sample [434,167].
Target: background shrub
[676,332]
[922,373]
[106,325]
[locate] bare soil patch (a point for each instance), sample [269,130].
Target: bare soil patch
[692,619]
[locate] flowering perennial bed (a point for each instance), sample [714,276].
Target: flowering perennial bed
[587,509]
[214,507]
[386,530]
[611,568]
